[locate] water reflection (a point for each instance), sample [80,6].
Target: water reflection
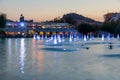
[22,56]
[25,59]
[37,55]
[9,48]
[3,58]
[111,56]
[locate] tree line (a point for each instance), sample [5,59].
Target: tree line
[85,28]
[110,27]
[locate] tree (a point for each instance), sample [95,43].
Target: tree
[57,20]
[117,29]
[110,27]
[2,24]
[85,28]
[69,20]
[2,20]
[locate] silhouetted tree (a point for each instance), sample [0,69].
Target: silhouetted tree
[2,20]
[69,20]
[2,24]
[57,19]
[85,28]
[110,27]
[117,29]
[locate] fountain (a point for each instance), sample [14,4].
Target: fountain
[85,38]
[103,37]
[36,37]
[70,38]
[55,40]
[59,38]
[108,37]
[54,55]
[63,38]
[46,37]
[118,36]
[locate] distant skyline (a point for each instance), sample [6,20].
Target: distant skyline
[42,10]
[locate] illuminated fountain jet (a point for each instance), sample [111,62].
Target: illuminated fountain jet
[118,36]
[51,38]
[63,38]
[75,37]
[55,40]
[91,37]
[108,37]
[85,38]
[103,37]
[70,38]
[34,37]
[59,38]
[38,37]
[45,36]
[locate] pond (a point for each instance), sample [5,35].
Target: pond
[29,59]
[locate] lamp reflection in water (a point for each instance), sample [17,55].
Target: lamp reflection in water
[9,48]
[22,56]
[37,56]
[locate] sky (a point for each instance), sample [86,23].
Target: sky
[42,10]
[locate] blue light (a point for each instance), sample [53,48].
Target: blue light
[22,24]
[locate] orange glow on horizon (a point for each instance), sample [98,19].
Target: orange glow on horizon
[41,18]
[42,10]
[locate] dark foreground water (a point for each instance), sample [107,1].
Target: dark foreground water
[28,59]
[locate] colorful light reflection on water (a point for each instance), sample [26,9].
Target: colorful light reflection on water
[28,59]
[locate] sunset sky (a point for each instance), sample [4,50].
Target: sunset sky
[41,10]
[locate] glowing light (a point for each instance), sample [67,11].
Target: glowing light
[64,49]
[118,36]
[18,32]
[85,38]
[102,37]
[70,39]
[59,39]
[38,37]
[22,24]
[55,40]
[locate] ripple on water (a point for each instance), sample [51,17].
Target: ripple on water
[53,44]
[111,55]
[59,49]
[96,43]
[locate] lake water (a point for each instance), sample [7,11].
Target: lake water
[28,59]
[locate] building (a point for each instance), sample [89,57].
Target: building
[22,18]
[55,25]
[22,23]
